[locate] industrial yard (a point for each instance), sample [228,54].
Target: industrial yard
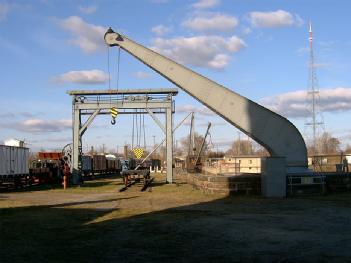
[97,223]
[193,131]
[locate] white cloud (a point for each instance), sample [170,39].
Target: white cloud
[202,51]
[187,108]
[296,105]
[246,30]
[278,18]
[212,22]
[160,30]
[59,139]
[89,37]
[94,76]
[142,75]
[4,10]
[204,4]
[87,9]
[39,125]
[16,114]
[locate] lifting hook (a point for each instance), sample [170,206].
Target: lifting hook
[113,121]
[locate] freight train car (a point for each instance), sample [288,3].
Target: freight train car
[14,165]
[87,165]
[113,164]
[100,164]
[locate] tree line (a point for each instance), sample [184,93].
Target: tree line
[326,143]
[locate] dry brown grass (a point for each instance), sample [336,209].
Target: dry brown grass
[174,223]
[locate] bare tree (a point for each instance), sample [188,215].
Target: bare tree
[261,151]
[241,147]
[185,141]
[215,154]
[326,144]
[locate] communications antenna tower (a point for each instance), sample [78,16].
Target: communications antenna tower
[315,120]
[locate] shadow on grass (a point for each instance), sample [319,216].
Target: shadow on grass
[92,183]
[40,187]
[91,202]
[225,230]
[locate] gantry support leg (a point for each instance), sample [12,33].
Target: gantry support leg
[88,122]
[158,122]
[77,145]
[169,145]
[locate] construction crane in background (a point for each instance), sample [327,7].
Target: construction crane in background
[193,161]
[192,147]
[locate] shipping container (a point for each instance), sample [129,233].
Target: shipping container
[13,161]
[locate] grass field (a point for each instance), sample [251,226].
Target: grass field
[173,223]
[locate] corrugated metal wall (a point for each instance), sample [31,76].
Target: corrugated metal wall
[13,160]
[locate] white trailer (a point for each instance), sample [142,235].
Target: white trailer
[13,162]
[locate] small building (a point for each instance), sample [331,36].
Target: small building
[245,164]
[233,165]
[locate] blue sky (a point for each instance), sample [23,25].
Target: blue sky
[258,49]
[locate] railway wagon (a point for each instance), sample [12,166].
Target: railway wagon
[87,165]
[14,165]
[99,164]
[113,164]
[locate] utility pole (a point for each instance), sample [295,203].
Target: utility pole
[239,144]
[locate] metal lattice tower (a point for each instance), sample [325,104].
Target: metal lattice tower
[315,119]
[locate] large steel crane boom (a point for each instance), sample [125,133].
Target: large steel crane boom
[274,132]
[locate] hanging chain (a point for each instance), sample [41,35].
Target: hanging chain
[133,133]
[137,127]
[144,131]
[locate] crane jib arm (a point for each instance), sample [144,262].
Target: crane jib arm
[274,132]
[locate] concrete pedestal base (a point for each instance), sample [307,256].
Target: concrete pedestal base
[273,177]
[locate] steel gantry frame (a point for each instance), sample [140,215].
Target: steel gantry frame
[99,102]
